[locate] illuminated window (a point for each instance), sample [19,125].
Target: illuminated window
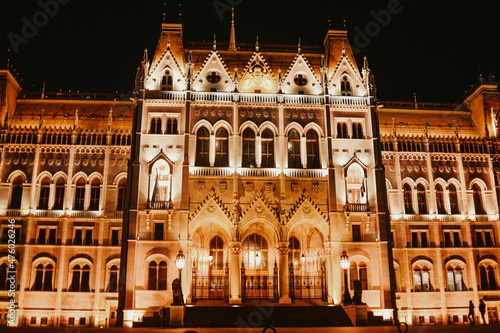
[202,147]
[221,148]
[312,144]
[294,253]
[455,279]
[255,253]
[43,202]
[345,87]
[248,149]
[167,82]
[80,194]
[294,161]
[421,279]
[267,140]
[217,253]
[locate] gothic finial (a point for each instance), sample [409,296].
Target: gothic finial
[110,119]
[180,11]
[280,82]
[235,80]
[215,42]
[415,98]
[343,49]
[164,12]
[76,119]
[257,44]
[323,63]
[299,47]
[145,57]
[365,64]
[43,91]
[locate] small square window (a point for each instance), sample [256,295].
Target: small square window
[33,321]
[421,319]
[432,319]
[44,320]
[71,321]
[83,321]
[455,319]
[465,319]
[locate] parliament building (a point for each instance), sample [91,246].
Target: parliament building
[259,164]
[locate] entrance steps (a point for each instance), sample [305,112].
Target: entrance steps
[262,314]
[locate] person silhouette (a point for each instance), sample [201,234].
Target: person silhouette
[471,313]
[482,310]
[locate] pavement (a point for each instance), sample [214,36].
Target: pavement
[368,329]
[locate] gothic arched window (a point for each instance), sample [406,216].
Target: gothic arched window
[113,279]
[294,253]
[408,201]
[202,147]
[478,199]
[16,193]
[248,149]
[157,276]
[43,201]
[167,82]
[421,199]
[294,161]
[267,153]
[357,131]
[81,278]
[95,194]
[217,253]
[453,195]
[345,87]
[255,253]
[440,200]
[80,194]
[312,144]
[222,148]
[122,188]
[43,277]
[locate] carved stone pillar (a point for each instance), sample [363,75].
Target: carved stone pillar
[283,273]
[234,273]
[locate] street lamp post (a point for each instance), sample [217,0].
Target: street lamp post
[345,264]
[180,262]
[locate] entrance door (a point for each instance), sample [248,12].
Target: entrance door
[112,317]
[257,283]
[493,315]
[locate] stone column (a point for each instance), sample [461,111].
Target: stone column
[283,273]
[234,273]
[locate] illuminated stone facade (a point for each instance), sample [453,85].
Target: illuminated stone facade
[262,163]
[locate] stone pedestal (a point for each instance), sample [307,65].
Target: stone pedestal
[176,316]
[361,315]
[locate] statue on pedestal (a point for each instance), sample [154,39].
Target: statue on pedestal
[177,292]
[358,293]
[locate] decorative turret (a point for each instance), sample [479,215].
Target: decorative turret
[190,66]
[280,82]
[235,80]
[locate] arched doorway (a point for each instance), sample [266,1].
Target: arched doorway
[258,280]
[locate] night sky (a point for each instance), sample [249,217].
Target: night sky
[433,48]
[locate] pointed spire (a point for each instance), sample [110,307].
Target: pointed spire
[6,119]
[180,11]
[280,82]
[257,44]
[168,42]
[190,70]
[164,12]
[215,42]
[43,91]
[232,39]
[415,98]
[76,119]
[343,48]
[299,47]
[365,63]
[145,57]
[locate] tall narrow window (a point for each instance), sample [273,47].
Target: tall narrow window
[294,150]
[255,253]
[345,87]
[157,276]
[217,253]
[421,199]
[294,254]
[221,148]
[152,275]
[17,193]
[353,273]
[363,277]
[357,131]
[452,190]
[202,147]
[167,82]
[113,279]
[440,200]
[162,276]
[81,278]
[248,149]
[3,277]
[95,194]
[491,278]
[59,197]
[407,195]
[43,202]
[122,187]
[455,279]
[478,199]
[342,131]
[356,233]
[171,125]
[267,140]
[312,144]
[80,194]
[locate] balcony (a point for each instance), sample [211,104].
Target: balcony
[350,100]
[211,171]
[258,172]
[168,95]
[85,214]
[160,205]
[306,173]
[357,207]
[48,213]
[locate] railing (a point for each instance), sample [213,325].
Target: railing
[307,287]
[258,172]
[419,105]
[451,218]
[211,171]
[75,96]
[349,100]
[260,287]
[210,287]
[245,46]
[85,214]
[169,95]
[159,205]
[16,212]
[304,99]
[259,98]
[357,207]
[212,96]
[419,218]
[49,213]
[484,218]
[306,173]
[116,215]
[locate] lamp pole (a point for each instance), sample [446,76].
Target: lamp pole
[345,264]
[180,261]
